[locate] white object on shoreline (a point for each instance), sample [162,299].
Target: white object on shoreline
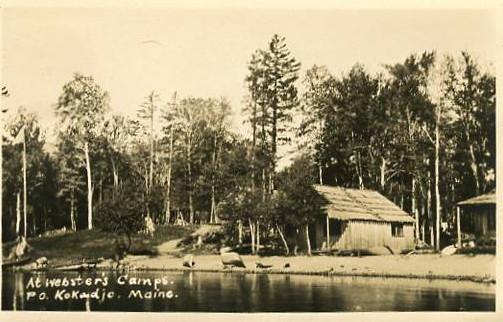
[449,250]
[188,261]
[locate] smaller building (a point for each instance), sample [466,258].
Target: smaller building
[477,216]
[361,219]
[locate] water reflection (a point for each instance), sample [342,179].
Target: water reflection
[234,292]
[18,296]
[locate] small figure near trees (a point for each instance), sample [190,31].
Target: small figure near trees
[149,226]
[20,249]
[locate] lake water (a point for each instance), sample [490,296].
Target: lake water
[236,292]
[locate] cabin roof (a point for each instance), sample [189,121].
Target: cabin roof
[356,204]
[485,199]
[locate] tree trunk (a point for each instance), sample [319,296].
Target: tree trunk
[258,236]
[89,188]
[146,177]
[213,218]
[151,171]
[263,184]
[383,173]
[274,138]
[72,215]
[191,208]
[414,210]
[189,169]
[252,234]
[115,174]
[18,214]
[287,249]
[72,210]
[437,178]
[168,190]
[308,241]
[320,173]
[25,198]
[1,164]
[423,229]
[151,161]
[212,208]
[475,169]
[430,213]
[360,171]
[240,232]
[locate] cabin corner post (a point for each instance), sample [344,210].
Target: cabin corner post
[458,224]
[328,232]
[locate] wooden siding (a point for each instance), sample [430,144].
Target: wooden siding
[363,235]
[480,221]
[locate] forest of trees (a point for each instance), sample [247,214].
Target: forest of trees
[421,132]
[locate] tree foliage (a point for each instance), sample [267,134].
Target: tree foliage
[123,214]
[420,131]
[81,107]
[379,132]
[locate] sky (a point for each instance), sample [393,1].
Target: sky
[204,52]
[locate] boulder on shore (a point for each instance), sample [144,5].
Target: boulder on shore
[449,250]
[188,261]
[232,259]
[42,262]
[226,249]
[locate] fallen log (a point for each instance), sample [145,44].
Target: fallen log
[76,267]
[261,265]
[6,263]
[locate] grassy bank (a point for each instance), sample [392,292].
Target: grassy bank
[73,247]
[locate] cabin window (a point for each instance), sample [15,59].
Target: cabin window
[397,230]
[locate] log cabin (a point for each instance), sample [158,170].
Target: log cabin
[477,216]
[361,219]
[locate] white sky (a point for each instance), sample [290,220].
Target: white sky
[204,52]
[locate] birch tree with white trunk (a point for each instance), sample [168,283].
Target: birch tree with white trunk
[81,108]
[188,118]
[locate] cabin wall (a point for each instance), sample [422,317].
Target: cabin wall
[480,221]
[368,234]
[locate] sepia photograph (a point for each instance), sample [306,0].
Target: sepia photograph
[246,158]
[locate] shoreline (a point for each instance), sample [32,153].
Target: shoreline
[478,269]
[474,279]
[461,278]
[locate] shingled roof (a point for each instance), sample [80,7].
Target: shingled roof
[355,204]
[485,199]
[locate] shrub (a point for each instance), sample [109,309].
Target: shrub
[121,215]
